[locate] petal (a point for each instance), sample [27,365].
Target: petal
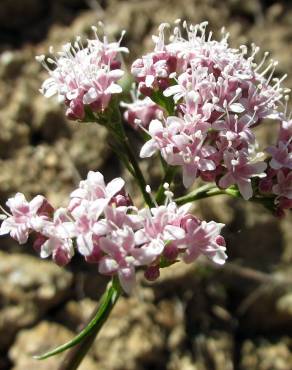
[113,89]
[245,189]
[155,127]
[36,203]
[173,232]
[148,149]
[91,96]
[172,90]
[107,266]
[127,278]
[101,228]
[6,226]
[48,247]
[114,186]
[85,244]
[226,181]
[108,246]
[149,80]
[219,257]
[189,176]
[236,108]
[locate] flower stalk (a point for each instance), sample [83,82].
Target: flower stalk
[211,190]
[116,127]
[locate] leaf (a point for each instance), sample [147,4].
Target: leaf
[165,102]
[108,301]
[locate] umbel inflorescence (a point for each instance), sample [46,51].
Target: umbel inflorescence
[219,95]
[198,100]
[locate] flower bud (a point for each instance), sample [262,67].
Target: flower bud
[152,273]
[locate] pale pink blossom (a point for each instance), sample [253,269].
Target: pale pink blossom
[94,188]
[240,171]
[283,187]
[58,235]
[141,112]
[181,145]
[281,155]
[204,238]
[84,76]
[118,248]
[19,225]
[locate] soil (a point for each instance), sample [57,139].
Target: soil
[238,317]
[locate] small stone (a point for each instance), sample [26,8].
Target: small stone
[29,287]
[40,339]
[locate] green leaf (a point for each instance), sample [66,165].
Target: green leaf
[108,301]
[165,102]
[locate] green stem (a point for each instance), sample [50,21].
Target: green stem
[204,191]
[116,126]
[210,190]
[138,173]
[83,341]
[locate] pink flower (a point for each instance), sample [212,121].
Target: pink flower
[234,132]
[84,76]
[143,110]
[162,225]
[94,188]
[240,171]
[281,156]
[58,236]
[283,188]
[152,70]
[108,230]
[118,247]
[180,145]
[86,215]
[286,131]
[18,225]
[218,95]
[204,238]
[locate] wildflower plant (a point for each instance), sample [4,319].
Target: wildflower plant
[196,102]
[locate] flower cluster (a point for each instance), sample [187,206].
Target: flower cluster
[279,175]
[219,94]
[84,76]
[102,224]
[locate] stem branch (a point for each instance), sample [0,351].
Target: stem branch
[116,127]
[210,190]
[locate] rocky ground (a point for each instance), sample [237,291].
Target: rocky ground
[195,318]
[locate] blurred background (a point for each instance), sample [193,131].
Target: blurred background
[194,317]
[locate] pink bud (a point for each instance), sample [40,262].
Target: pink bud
[208,176]
[152,273]
[61,257]
[147,91]
[220,241]
[187,220]
[171,252]
[46,209]
[171,63]
[115,64]
[96,254]
[285,203]
[266,185]
[122,199]
[163,83]
[39,241]
[75,110]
